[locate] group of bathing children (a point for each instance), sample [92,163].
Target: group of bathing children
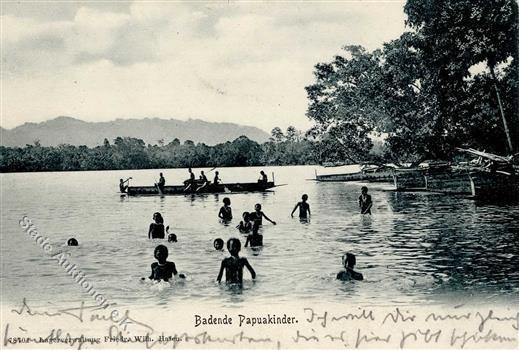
[250,223]
[157,231]
[233,265]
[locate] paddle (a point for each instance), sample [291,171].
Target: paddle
[158,188]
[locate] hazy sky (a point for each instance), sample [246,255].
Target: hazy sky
[243,62]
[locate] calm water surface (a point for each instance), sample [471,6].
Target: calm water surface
[416,248]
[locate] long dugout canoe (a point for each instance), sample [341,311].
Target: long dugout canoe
[181,189]
[381,176]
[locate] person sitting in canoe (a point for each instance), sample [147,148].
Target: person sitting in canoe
[254,239]
[216,180]
[349,261]
[157,227]
[304,208]
[225,212]
[263,178]
[233,265]
[190,183]
[162,182]
[122,185]
[163,269]
[365,202]
[257,215]
[203,180]
[245,225]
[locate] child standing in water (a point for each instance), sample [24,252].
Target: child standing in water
[245,225]
[156,228]
[254,239]
[365,202]
[234,264]
[304,208]
[163,269]
[349,261]
[257,216]
[226,212]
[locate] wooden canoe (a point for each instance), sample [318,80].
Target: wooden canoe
[220,188]
[368,173]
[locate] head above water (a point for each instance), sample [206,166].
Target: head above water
[189,169]
[257,207]
[304,197]
[158,218]
[234,246]
[364,189]
[218,244]
[172,238]
[160,174]
[349,260]
[262,172]
[216,172]
[161,253]
[226,201]
[245,216]
[72,242]
[120,180]
[202,172]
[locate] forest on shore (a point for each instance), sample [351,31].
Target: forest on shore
[289,148]
[450,80]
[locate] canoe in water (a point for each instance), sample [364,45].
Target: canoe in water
[220,188]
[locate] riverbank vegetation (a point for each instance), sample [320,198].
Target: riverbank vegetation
[451,80]
[283,148]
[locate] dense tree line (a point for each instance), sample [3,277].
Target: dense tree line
[450,81]
[289,148]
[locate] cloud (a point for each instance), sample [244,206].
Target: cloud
[238,62]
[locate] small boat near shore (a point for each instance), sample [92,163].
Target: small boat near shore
[488,177]
[371,173]
[211,188]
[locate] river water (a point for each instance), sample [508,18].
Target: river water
[416,248]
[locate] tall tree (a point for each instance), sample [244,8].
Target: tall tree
[456,35]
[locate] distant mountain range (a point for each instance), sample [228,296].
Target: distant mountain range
[67,130]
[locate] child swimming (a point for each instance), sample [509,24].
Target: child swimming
[218,244]
[365,202]
[349,261]
[234,264]
[172,238]
[245,225]
[303,206]
[257,215]
[72,242]
[163,269]
[254,239]
[225,212]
